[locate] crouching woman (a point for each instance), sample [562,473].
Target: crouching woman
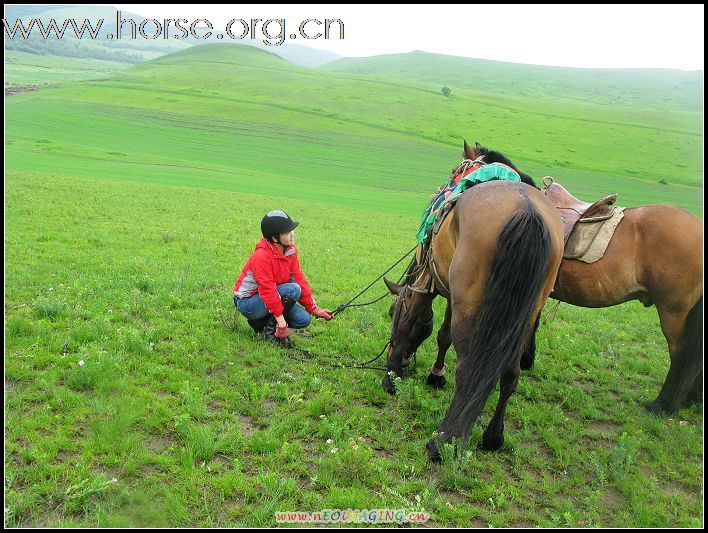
[272,284]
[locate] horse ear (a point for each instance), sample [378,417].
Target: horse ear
[395,289]
[470,152]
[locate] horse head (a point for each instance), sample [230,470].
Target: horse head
[490,156]
[412,323]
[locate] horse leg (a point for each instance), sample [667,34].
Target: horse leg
[695,395]
[493,437]
[436,378]
[684,332]
[529,355]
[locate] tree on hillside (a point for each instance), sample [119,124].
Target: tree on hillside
[446,91]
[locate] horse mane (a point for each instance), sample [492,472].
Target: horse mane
[490,156]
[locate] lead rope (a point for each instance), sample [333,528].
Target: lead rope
[363,365]
[342,307]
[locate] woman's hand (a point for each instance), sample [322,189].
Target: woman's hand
[323,313]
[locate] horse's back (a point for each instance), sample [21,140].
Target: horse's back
[654,255]
[490,205]
[470,239]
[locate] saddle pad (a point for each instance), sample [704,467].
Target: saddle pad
[589,240]
[492,171]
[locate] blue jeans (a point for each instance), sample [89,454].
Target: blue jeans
[253,307]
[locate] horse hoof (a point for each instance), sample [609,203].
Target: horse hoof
[491,444]
[692,400]
[658,408]
[388,385]
[432,450]
[526,362]
[436,381]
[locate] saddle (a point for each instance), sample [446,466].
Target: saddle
[574,210]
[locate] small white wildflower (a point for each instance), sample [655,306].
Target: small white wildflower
[683,422]
[322,416]
[335,450]
[114,480]
[51,288]
[330,441]
[81,363]
[355,447]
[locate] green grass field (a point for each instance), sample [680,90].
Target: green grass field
[30,69]
[137,397]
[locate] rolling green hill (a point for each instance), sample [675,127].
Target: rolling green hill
[643,88]
[22,68]
[126,50]
[120,52]
[240,118]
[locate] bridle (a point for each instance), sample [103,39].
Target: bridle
[397,308]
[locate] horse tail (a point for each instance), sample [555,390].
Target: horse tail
[502,323]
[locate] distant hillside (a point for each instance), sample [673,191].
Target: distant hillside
[121,51]
[298,54]
[36,69]
[125,50]
[236,112]
[626,87]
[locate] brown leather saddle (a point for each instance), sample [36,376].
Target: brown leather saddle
[573,210]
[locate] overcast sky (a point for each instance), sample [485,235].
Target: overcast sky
[600,36]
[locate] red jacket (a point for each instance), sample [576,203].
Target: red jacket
[268,267]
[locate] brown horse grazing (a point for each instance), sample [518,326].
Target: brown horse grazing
[495,256]
[655,256]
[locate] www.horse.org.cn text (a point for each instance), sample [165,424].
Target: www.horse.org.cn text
[272,32]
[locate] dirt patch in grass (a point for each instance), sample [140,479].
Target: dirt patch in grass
[158,444]
[454,498]
[612,499]
[246,424]
[604,429]
[478,522]
[383,453]
[17,89]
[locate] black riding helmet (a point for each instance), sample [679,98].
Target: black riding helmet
[275,223]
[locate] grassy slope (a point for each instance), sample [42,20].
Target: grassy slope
[640,88]
[130,205]
[31,69]
[327,127]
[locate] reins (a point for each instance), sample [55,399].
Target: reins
[365,364]
[342,307]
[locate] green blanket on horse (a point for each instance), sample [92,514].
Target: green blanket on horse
[453,188]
